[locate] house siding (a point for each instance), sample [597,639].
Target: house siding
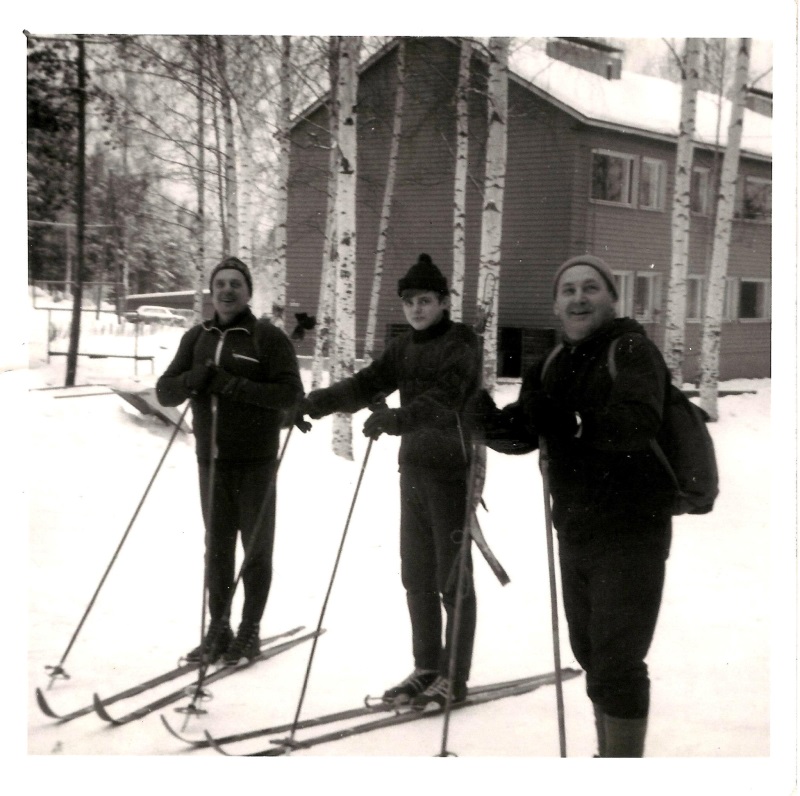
[548,213]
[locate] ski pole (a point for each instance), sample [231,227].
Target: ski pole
[198,692]
[327,596]
[548,519]
[58,670]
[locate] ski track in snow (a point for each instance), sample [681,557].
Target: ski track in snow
[90,459]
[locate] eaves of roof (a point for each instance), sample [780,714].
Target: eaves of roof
[634,104]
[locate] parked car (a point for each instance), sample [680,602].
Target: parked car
[149,314]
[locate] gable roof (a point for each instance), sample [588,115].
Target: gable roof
[634,103]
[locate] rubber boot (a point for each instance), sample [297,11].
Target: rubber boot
[624,737]
[600,726]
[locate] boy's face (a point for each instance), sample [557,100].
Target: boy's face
[424,308]
[583,302]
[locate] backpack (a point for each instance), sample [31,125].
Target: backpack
[683,445]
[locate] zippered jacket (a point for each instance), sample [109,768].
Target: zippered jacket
[606,482]
[256,402]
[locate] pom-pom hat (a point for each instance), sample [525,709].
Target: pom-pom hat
[423,275]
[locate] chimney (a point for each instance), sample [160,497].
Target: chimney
[587,54]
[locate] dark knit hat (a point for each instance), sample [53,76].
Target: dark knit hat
[237,265]
[423,275]
[594,262]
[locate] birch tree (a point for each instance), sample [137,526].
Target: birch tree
[493,194]
[386,207]
[200,181]
[327,282]
[460,190]
[675,334]
[231,187]
[712,323]
[344,337]
[278,271]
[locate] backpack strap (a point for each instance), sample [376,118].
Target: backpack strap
[548,361]
[655,447]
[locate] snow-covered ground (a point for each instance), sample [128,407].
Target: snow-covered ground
[722,663]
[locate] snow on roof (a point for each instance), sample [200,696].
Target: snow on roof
[651,105]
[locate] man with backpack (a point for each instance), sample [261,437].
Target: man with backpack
[612,496]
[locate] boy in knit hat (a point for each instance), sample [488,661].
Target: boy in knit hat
[434,365]
[241,376]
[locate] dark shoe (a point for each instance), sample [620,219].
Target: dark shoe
[244,647]
[435,695]
[412,686]
[216,642]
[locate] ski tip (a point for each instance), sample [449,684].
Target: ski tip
[100,710]
[43,706]
[173,732]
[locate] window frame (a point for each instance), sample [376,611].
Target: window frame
[660,190]
[704,175]
[625,283]
[630,190]
[700,281]
[742,195]
[766,300]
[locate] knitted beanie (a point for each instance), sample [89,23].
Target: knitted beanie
[594,262]
[237,265]
[423,275]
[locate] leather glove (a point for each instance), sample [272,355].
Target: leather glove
[384,421]
[199,377]
[316,404]
[543,415]
[222,382]
[299,421]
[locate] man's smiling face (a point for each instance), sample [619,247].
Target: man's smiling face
[583,302]
[229,293]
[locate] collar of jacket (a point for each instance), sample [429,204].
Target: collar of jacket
[437,330]
[605,334]
[245,320]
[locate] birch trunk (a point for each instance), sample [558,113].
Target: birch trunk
[675,333]
[327,282]
[386,209]
[709,364]
[223,222]
[460,190]
[344,338]
[282,201]
[493,194]
[200,219]
[231,187]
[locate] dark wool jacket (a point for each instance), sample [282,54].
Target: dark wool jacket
[606,484]
[255,403]
[436,370]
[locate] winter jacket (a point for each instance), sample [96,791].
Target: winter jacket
[435,370]
[606,484]
[254,404]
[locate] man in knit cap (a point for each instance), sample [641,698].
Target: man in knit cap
[611,496]
[434,365]
[241,376]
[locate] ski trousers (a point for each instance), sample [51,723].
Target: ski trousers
[431,526]
[611,602]
[239,492]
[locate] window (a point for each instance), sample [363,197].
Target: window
[694,298]
[639,294]
[756,199]
[698,192]
[652,178]
[729,300]
[754,299]
[612,177]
